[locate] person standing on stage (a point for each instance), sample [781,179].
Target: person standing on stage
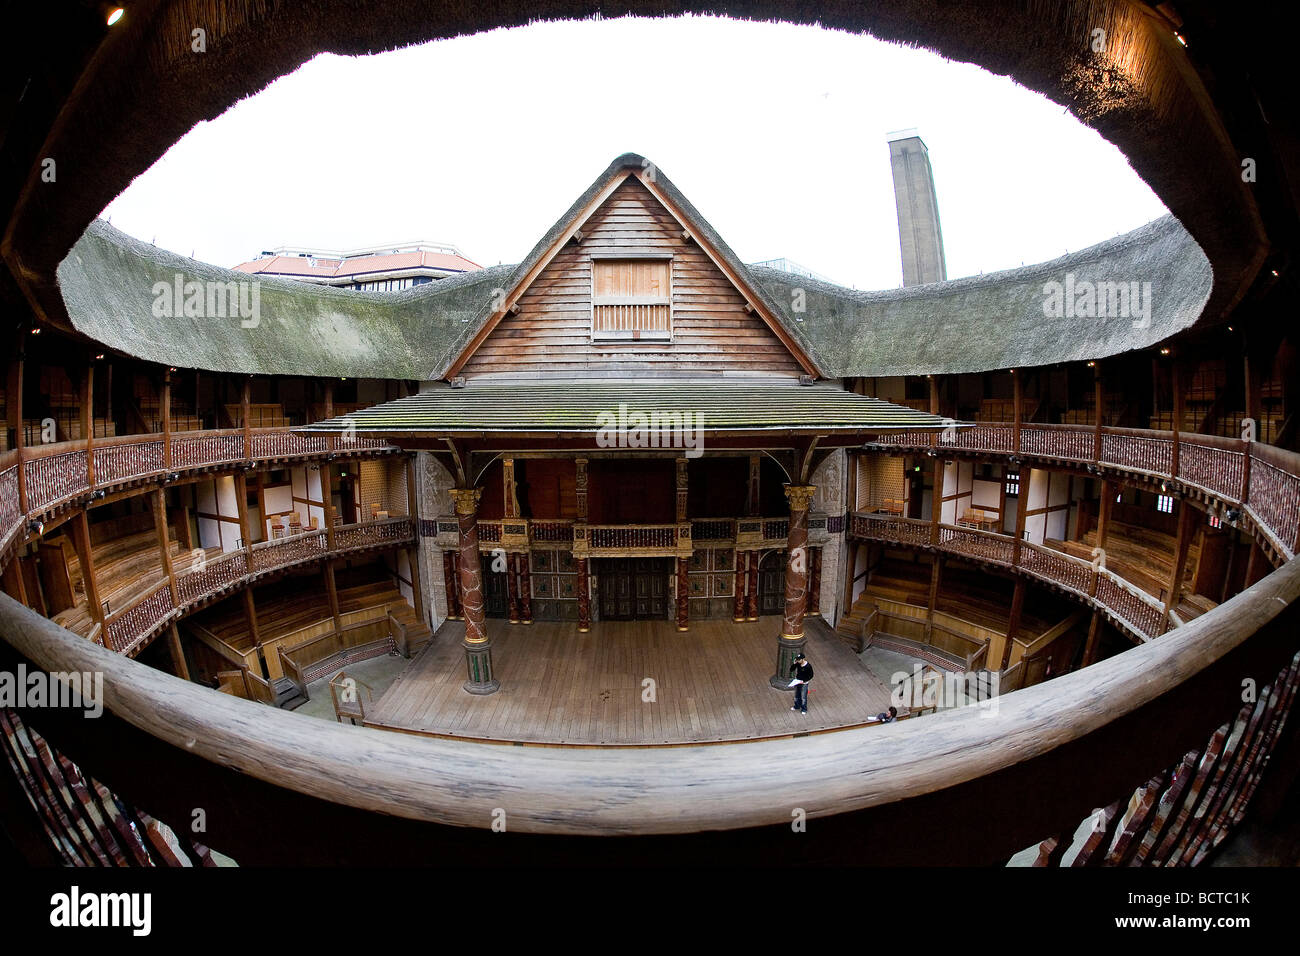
[802,672]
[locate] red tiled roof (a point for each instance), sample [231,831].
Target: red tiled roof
[357,265]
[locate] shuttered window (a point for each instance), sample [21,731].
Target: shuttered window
[631,299]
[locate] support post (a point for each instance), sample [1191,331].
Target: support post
[751,606]
[1174,590]
[1018,410]
[327,504]
[88,422]
[584,597]
[1013,623]
[683,594]
[1022,507]
[178,653]
[167,419]
[1103,512]
[246,398]
[81,541]
[525,590]
[1099,411]
[164,544]
[791,641]
[1094,639]
[738,606]
[477,644]
[1178,416]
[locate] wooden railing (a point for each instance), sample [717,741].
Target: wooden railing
[631,536]
[1261,480]
[400,797]
[128,630]
[1123,603]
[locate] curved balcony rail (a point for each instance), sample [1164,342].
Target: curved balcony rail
[1261,481]
[128,629]
[1130,608]
[51,476]
[881,795]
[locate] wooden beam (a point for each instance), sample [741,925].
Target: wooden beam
[178,653]
[1173,593]
[327,501]
[164,543]
[1094,639]
[14,409]
[1099,410]
[936,501]
[81,541]
[241,503]
[244,402]
[332,592]
[250,616]
[167,418]
[1176,364]
[1103,512]
[934,394]
[936,576]
[1022,512]
[88,420]
[1017,409]
[1013,623]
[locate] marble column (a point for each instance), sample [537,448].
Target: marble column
[791,642]
[752,605]
[738,611]
[683,594]
[478,647]
[584,598]
[525,591]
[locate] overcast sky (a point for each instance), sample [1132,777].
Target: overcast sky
[778,135]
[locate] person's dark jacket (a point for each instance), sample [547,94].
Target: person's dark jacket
[802,671]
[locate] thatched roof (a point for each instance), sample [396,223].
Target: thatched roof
[997,321]
[990,322]
[108,283]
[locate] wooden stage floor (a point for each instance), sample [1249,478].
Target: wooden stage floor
[562,687]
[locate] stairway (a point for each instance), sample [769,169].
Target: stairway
[286,694]
[850,624]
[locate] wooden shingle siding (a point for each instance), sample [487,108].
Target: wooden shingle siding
[711,331]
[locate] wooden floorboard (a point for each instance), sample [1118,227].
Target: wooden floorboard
[559,686]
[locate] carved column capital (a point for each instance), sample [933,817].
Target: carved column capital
[800,496]
[466,500]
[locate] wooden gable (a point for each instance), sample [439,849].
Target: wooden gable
[699,324]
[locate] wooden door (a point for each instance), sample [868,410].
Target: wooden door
[650,580]
[771,584]
[496,602]
[634,589]
[616,590]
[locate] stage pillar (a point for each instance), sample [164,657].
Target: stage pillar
[478,647]
[791,642]
[683,595]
